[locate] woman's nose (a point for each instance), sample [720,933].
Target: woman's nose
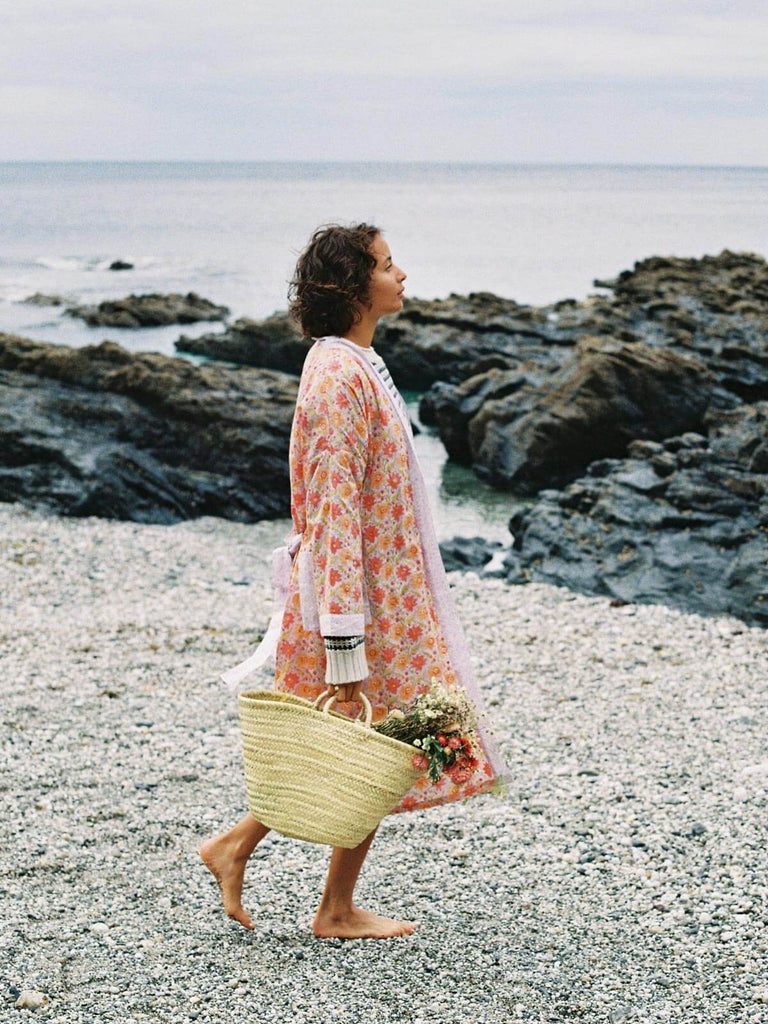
[403,275]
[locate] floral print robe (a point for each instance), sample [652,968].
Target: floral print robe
[367,561]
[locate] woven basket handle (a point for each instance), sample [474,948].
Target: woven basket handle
[330,697]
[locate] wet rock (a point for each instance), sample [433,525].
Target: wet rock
[152,310]
[688,307]
[451,407]
[693,536]
[714,306]
[455,338]
[40,299]
[146,437]
[607,396]
[467,552]
[447,340]
[718,282]
[274,343]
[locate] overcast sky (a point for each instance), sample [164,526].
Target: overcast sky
[610,81]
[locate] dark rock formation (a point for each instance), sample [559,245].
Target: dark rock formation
[458,337]
[149,311]
[101,431]
[689,308]
[468,552]
[478,350]
[607,396]
[120,265]
[715,307]
[39,299]
[446,340]
[274,343]
[732,282]
[451,407]
[647,404]
[683,522]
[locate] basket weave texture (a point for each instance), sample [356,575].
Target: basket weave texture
[318,775]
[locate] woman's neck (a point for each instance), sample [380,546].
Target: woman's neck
[362,333]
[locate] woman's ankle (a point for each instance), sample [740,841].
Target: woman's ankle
[243,839]
[335,908]
[232,846]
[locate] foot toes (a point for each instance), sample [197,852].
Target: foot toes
[241,916]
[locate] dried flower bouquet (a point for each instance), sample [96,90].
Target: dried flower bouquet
[441,723]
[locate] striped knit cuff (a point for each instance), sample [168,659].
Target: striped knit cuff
[345,660]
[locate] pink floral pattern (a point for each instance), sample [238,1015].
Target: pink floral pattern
[352,502]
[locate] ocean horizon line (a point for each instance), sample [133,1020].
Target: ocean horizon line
[308,162]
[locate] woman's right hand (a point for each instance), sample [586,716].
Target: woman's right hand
[347,691]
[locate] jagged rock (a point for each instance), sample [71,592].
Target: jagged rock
[152,310]
[146,437]
[692,306]
[452,339]
[451,407]
[468,552]
[685,306]
[446,340]
[607,396]
[714,306]
[694,537]
[39,299]
[274,343]
[719,282]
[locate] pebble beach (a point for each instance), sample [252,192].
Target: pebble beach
[623,879]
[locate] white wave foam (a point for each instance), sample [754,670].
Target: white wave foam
[64,263]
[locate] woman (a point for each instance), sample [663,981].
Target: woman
[366,601]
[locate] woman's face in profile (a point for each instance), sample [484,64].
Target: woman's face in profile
[386,294]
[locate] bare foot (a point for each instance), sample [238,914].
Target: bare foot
[355,923]
[228,869]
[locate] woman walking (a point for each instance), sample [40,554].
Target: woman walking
[366,604]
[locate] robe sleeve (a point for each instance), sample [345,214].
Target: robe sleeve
[336,454]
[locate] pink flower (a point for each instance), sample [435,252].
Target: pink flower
[442,739]
[420,763]
[454,742]
[459,775]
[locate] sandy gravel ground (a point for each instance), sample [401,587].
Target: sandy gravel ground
[624,879]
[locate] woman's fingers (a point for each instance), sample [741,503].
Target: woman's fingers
[349,691]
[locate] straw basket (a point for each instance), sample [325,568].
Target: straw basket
[318,775]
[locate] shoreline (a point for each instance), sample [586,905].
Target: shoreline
[624,876]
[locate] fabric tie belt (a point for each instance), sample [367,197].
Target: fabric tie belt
[282,560]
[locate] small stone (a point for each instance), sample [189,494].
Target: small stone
[99,928]
[620,1014]
[31,1000]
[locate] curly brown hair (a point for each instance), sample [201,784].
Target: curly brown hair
[333,279]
